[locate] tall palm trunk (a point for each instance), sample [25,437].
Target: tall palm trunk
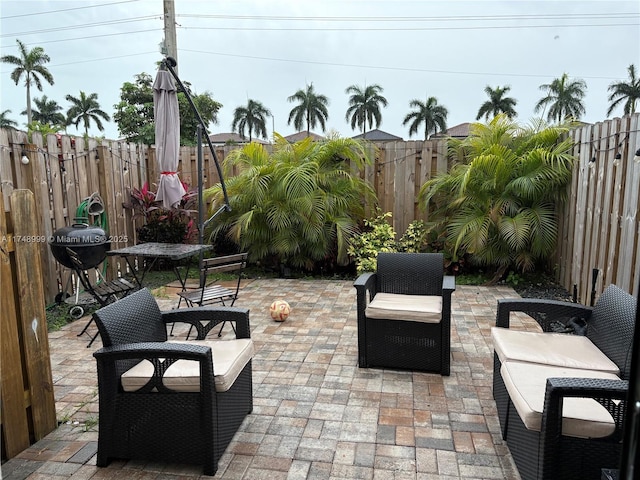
[28,99]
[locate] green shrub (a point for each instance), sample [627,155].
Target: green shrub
[499,201]
[415,238]
[295,207]
[420,237]
[164,225]
[378,237]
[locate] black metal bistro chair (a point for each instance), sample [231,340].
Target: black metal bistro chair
[210,293]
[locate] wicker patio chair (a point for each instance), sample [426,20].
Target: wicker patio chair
[158,418]
[552,451]
[404,313]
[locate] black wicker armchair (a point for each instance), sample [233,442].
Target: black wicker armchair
[404,313]
[162,418]
[561,397]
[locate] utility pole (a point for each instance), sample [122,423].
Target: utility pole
[170,41]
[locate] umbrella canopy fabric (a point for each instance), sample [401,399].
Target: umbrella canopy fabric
[167,119]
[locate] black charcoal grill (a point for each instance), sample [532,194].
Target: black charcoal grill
[89,242]
[81,247]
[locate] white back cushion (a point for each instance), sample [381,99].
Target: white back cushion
[557,349]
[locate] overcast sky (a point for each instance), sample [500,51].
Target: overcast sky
[266,50]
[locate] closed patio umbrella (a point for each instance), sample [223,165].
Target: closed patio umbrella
[167,119]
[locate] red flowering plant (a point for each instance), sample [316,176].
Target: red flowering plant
[165,225]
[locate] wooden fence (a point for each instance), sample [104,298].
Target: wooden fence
[600,226]
[63,171]
[26,381]
[397,174]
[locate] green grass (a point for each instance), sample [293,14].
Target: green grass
[58,313]
[472,278]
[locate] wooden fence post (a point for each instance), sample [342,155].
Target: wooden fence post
[106,187]
[15,426]
[32,312]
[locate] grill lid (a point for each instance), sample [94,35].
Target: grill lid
[90,242]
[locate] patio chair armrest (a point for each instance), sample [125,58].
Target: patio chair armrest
[113,361]
[204,319]
[366,282]
[611,394]
[365,286]
[552,309]
[448,284]
[140,351]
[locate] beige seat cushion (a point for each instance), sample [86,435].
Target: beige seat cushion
[557,349]
[395,306]
[229,358]
[583,417]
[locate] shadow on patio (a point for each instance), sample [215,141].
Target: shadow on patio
[316,414]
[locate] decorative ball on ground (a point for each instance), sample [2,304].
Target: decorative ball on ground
[279,310]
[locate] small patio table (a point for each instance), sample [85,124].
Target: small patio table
[153,251]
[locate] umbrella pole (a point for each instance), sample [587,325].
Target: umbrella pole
[170,62]
[200,204]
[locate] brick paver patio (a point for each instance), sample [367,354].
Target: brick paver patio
[316,414]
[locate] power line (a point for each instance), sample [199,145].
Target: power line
[404,29]
[95,24]
[93,60]
[67,9]
[569,16]
[87,37]
[380,67]
[104,58]
[625,16]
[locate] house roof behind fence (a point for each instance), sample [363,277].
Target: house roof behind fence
[378,135]
[224,138]
[296,137]
[457,131]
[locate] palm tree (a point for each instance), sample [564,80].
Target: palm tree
[253,118]
[311,109]
[85,109]
[364,106]
[565,98]
[295,206]
[497,103]
[499,202]
[629,93]
[47,112]
[29,64]
[7,122]
[433,116]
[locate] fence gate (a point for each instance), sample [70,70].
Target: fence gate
[26,382]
